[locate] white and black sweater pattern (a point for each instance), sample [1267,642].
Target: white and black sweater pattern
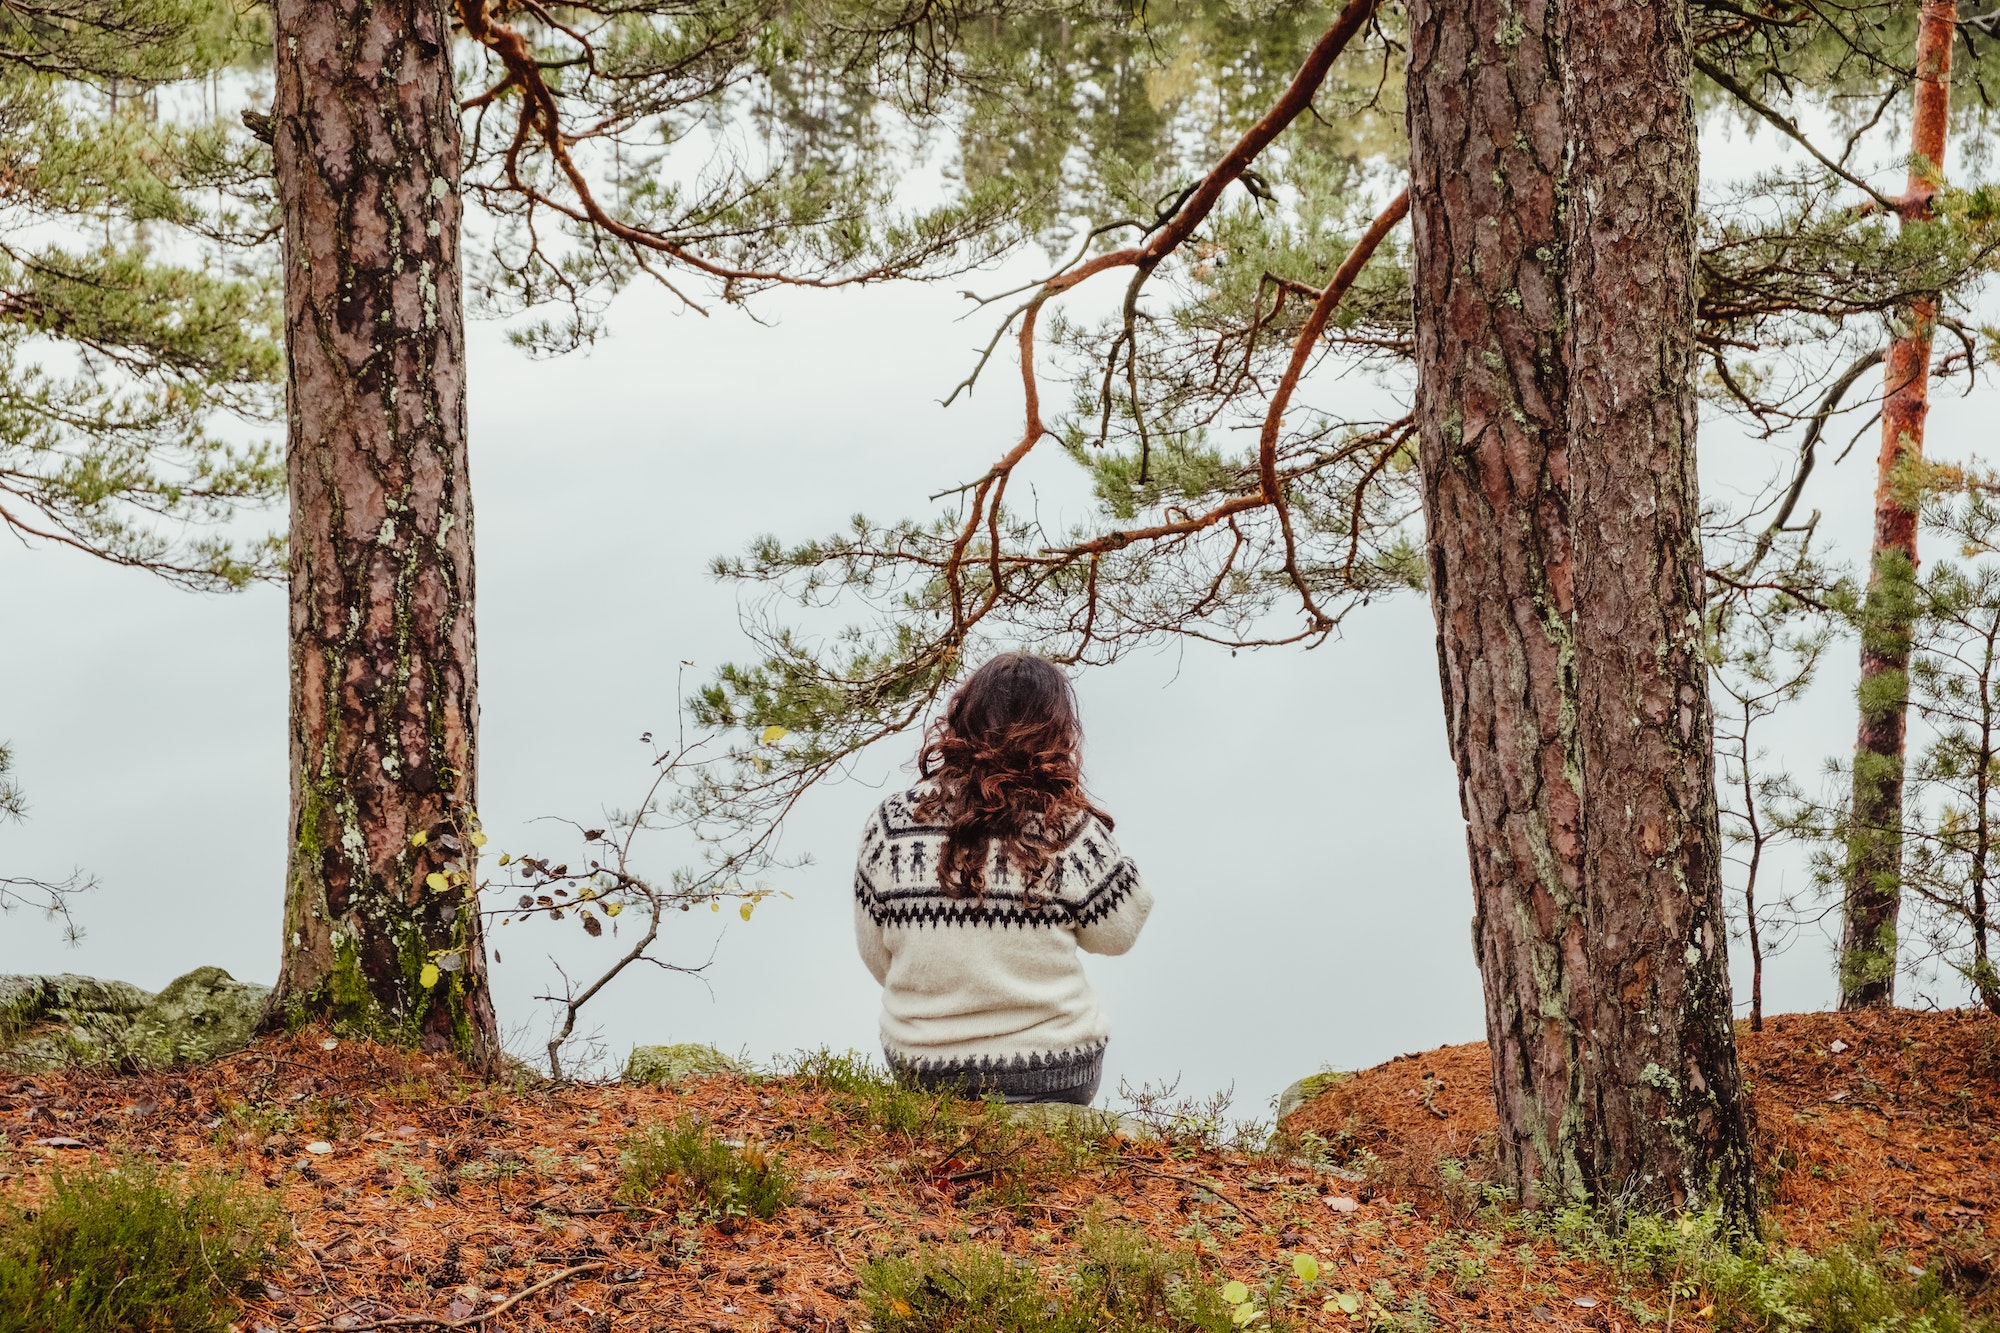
[990,990]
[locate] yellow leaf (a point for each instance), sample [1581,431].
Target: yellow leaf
[505,858]
[437,881]
[900,1307]
[476,839]
[772,735]
[1235,1293]
[746,909]
[613,909]
[420,839]
[429,977]
[1306,1267]
[715,907]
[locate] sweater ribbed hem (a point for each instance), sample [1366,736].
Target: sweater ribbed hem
[1058,1076]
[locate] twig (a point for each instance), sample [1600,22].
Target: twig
[1788,128]
[1828,404]
[470,1321]
[1209,1185]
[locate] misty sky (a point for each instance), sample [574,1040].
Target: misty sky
[1294,811]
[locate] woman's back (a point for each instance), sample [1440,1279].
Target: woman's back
[975,890]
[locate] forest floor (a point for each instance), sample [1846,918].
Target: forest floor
[416,1195]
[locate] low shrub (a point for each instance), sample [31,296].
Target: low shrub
[1124,1284]
[1854,1287]
[723,1179]
[132,1249]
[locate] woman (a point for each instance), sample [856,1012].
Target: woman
[975,889]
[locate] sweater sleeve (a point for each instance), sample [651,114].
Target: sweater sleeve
[869,936]
[1113,901]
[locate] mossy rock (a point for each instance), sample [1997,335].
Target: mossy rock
[197,1017]
[666,1066]
[1307,1088]
[51,1021]
[1088,1120]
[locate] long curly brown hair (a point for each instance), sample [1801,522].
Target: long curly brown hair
[1005,766]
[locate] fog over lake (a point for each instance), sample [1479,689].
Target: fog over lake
[1295,811]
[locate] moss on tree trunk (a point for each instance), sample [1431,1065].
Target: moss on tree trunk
[1873,887]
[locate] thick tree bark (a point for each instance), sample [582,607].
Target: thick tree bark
[1552,174]
[1872,896]
[384,697]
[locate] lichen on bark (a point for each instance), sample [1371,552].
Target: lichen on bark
[384,683]
[1552,170]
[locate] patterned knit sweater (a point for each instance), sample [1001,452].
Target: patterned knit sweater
[990,990]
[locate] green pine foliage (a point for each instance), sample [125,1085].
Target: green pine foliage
[138,287]
[131,1249]
[731,148]
[51,898]
[13,804]
[1102,122]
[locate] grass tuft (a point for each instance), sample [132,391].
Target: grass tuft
[872,1095]
[722,1179]
[1124,1284]
[130,1249]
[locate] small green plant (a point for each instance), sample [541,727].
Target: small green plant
[1124,1284]
[131,1249]
[1691,1263]
[725,1180]
[871,1094]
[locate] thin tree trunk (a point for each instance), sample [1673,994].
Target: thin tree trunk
[384,699]
[1874,867]
[1552,175]
[1750,929]
[1984,981]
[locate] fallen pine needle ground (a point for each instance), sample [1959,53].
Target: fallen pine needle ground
[420,1197]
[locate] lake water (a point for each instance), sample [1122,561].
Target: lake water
[1295,811]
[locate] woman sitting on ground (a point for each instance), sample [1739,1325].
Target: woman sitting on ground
[975,889]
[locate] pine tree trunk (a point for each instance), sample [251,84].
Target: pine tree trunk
[1552,175]
[384,701]
[1874,868]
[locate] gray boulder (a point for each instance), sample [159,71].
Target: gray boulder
[197,1017]
[1087,1120]
[1307,1088]
[50,1021]
[666,1066]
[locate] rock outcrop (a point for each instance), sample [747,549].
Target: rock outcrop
[1090,1121]
[1307,1088]
[51,1021]
[665,1066]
